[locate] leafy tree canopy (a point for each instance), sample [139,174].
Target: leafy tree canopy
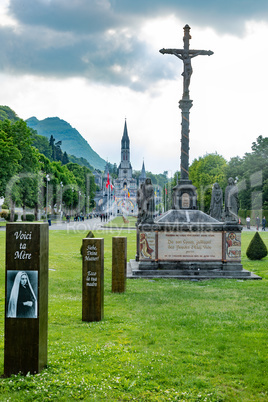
[8,114]
[204,172]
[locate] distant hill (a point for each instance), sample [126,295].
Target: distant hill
[8,114]
[72,141]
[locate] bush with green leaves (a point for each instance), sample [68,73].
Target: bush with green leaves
[4,213]
[15,217]
[257,248]
[28,218]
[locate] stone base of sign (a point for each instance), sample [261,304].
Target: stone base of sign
[26,319]
[187,244]
[119,264]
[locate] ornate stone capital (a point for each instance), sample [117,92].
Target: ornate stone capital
[185,105]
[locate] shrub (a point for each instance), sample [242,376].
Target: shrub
[4,213]
[4,206]
[256,249]
[90,235]
[28,217]
[15,217]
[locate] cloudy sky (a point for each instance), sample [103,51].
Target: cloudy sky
[94,63]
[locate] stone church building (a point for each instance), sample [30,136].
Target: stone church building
[122,196]
[125,186]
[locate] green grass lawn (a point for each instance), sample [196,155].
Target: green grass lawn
[118,222]
[162,340]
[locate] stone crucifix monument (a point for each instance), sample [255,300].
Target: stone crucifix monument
[184,242]
[185,193]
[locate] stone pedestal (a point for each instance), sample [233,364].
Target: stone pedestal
[26,317]
[184,196]
[93,279]
[119,264]
[187,244]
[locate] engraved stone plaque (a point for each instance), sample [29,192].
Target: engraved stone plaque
[185,201]
[197,246]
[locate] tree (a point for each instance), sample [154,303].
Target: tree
[9,159]
[204,172]
[252,173]
[85,183]
[52,146]
[27,183]
[8,114]
[41,143]
[65,158]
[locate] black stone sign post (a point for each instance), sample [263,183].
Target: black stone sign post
[26,301]
[185,104]
[93,279]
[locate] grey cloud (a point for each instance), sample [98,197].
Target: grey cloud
[114,59]
[96,15]
[97,39]
[80,16]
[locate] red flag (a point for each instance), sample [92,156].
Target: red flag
[112,187]
[108,181]
[166,190]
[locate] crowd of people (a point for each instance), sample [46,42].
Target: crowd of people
[104,217]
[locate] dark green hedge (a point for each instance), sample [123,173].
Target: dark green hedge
[28,218]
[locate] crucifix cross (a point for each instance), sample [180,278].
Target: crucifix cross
[186,55]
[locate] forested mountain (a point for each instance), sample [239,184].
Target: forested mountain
[36,174]
[72,141]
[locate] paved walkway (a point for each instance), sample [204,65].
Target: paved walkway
[87,224]
[97,224]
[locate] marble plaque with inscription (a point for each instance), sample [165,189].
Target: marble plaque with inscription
[197,246]
[185,200]
[233,246]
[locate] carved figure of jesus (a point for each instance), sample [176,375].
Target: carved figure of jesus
[186,55]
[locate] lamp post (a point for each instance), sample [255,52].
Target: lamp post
[48,179]
[79,195]
[72,201]
[61,185]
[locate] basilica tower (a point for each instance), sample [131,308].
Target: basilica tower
[125,185]
[125,168]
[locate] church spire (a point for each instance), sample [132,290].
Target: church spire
[142,176]
[125,138]
[125,153]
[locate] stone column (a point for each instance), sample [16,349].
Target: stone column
[119,264]
[185,106]
[26,317]
[93,279]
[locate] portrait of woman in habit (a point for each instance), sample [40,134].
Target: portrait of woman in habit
[22,302]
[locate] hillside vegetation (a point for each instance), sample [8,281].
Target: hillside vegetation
[72,141]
